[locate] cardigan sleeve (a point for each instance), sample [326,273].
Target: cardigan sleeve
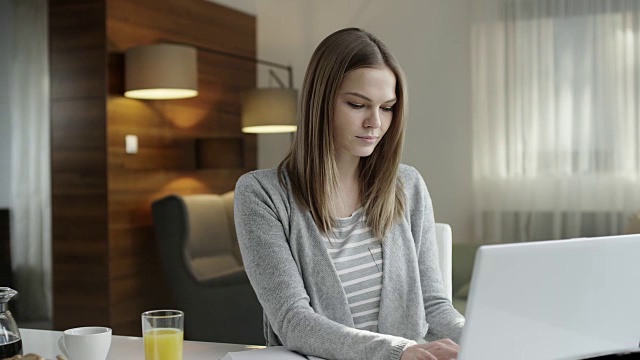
[443,319]
[274,275]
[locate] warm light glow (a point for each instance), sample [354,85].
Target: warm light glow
[269,129]
[161,94]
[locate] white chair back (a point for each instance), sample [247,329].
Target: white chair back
[444,239]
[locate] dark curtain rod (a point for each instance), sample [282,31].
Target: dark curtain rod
[288,68]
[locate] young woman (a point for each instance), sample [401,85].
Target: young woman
[339,241]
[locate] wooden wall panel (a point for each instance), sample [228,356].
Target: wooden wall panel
[196,22]
[167,132]
[106,269]
[67,66]
[219,153]
[79,163]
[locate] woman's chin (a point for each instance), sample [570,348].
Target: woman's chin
[364,154]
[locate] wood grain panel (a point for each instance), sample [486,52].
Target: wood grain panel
[192,120]
[68,66]
[71,160]
[178,158]
[78,163]
[166,131]
[222,153]
[194,22]
[129,240]
[77,183]
[163,183]
[67,23]
[78,315]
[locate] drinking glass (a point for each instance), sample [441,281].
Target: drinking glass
[163,331]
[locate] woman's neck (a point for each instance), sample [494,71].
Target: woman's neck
[347,199]
[347,168]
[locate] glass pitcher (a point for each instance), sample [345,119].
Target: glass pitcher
[10,340]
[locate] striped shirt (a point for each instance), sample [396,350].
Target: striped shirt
[357,256]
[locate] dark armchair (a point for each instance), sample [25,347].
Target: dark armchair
[201,259]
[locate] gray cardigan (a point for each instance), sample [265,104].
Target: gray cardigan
[305,306]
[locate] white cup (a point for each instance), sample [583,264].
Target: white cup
[85,343]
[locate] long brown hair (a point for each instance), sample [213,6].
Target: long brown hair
[310,163]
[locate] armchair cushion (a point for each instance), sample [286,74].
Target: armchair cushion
[210,247]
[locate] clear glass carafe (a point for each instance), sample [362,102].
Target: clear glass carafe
[10,340]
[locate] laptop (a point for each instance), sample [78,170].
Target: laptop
[561,299]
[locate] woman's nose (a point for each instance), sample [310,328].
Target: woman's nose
[373,119]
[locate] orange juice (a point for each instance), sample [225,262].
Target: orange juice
[163,344]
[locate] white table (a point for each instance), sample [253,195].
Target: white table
[45,343]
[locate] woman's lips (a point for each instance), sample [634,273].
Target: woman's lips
[368,139]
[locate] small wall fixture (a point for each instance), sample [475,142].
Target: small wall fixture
[161,71]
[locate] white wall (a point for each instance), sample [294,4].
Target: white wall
[5,125]
[246,6]
[431,39]
[282,38]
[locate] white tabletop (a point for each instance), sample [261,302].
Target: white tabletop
[45,343]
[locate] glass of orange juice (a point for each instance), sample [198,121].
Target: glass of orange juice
[163,331]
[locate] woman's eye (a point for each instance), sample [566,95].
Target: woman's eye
[356,106]
[387,109]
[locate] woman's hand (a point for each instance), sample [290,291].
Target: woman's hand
[444,349]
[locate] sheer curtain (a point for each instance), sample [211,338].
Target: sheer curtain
[30,165]
[556,90]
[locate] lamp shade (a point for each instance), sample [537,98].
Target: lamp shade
[269,111]
[161,71]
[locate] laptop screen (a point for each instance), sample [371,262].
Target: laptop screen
[553,299]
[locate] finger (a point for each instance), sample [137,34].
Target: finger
[442,351]
[425,355]
[450,343]
[442,345]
